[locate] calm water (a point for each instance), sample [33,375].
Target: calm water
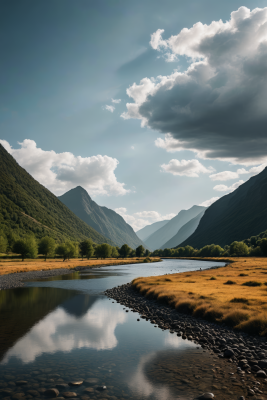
[64,328]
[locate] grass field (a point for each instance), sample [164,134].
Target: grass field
[235,295]
[15,266]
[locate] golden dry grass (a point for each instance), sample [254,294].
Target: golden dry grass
[15,266]
[208,294]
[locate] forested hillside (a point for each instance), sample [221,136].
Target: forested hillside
[26,206]
[234,217]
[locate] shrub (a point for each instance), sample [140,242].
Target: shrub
[254,326]
[243,274]
[235,317]
[213,278]
[251,283]
[239,300]
[230,283]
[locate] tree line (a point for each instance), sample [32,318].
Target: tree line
[30,247]
[249,247]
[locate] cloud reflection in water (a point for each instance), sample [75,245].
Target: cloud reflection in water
[62,331]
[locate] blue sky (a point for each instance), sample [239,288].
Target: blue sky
[64,61]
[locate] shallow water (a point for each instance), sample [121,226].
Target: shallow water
[63,328]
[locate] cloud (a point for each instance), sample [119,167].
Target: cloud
[224,176]
[116,101]
[190,168]
[140,219]
[132,147]
[207,203]
[109,108]
[224,188]
[217,107]
[60,172]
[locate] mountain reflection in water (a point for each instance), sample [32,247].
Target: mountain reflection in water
[78,322]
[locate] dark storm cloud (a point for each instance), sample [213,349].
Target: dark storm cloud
[218,107]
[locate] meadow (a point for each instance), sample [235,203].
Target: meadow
[16,265]
[234,295]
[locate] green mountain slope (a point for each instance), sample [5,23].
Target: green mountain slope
[184,232]
[27,206]
[148,230]
[102,219]
[164,234]
[236,216]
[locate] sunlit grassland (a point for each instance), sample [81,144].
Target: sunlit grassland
[15,266]
[235,295]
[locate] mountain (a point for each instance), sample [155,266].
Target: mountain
[164,234]
[236,216]
[102,219]
[26,206]
[147,231]
[184,232]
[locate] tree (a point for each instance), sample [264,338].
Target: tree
[238,249]
[139,251]
[26,247]
[132,253]
[3,244]
[86,248]
[47,246]
[125,250]
[263,246]
[114,252]
[147,253]
[67,250]
[103,251]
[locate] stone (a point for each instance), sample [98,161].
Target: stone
[33,393]
[69,395]
[262,363]
[75,383]
[261,374]
[20,383]
[52,393]
[88,390]
[18,396]
[228,353]
[205,396]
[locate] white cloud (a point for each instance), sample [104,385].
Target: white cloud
[60,172]
[140,219]
[109,108]
[116,101]
[170,144]
[224,188]
[207,203]
[214,106]
[132,147]
[224,176]
[190,168]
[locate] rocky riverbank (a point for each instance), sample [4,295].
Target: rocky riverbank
[247,353]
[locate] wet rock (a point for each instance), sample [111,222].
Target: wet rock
[228,353]
[261,374]
[33,393]
[52,393]
[69,395]
[263,363]
[205,396]
[251,392]
[75,383]
[88,390]
[18,396]
[20,383]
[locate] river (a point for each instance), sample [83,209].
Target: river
[64,328]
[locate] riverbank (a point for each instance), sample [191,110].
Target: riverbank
[235,295]
[14,273]
[248,354]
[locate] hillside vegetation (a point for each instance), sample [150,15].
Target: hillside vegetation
[234,217]
[28,207]
[104,220]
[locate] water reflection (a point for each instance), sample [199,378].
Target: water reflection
[81,322]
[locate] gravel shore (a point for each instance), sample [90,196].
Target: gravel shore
[248,353]
[11,281]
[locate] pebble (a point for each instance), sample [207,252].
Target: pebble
[205,396]
[52,393]
[69,395]
[75,383]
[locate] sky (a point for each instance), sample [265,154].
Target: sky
[151,106]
